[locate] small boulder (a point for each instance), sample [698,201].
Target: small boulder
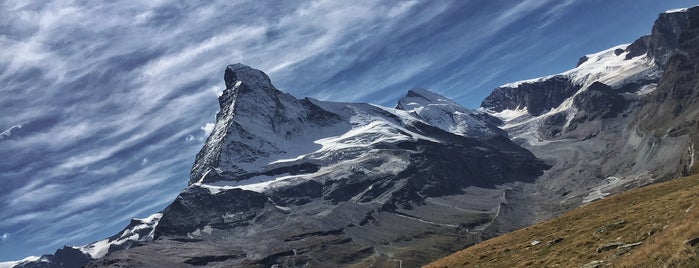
[554,241]
[593,264]
[611,227]
[609,246]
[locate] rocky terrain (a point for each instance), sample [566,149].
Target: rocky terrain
[622,118]
[289,182]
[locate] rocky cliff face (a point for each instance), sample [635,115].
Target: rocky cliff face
[290,182]
[623,117]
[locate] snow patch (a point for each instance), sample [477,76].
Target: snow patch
[10,264]
[647,89]
[603,190]
[528,81]
[100,248]
[207,229]
[608,66]
[256,184]
[509,115]
[97,250]
[677,10]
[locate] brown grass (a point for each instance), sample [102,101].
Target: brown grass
[662,216]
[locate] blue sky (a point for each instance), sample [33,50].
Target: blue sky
[103,106]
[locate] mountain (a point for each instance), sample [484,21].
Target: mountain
[624,117]
[303,182]
[653,226]
[138,232]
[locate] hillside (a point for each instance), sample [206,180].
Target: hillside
[652,226]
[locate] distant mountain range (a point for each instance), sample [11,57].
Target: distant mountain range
[286,182]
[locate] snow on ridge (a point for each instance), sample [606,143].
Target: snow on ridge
[438,111]
[608,66]
[527,81]
[678,10]
[368,129]
[509,115]
[97,249]
[605,66]
[100,248]
[10,264]
[612,69]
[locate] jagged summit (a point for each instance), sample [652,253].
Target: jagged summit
[426,95]
[245,74]
[283,180]
[255,121]
[262,133]
[666,35]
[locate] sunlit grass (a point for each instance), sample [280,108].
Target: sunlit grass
[662,216]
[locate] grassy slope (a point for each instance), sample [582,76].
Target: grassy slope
[662,216]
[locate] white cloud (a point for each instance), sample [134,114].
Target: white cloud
[8,132]
[208,128]
[5,236]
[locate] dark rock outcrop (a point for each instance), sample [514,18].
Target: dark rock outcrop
[537,97]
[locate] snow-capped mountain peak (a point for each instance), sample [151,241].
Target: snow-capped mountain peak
[612,67]
[679,10]
[138,231]
[237,73]
[443,113]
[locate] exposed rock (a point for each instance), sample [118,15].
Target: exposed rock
[609,246]
[593,264]
[664,38]
[692,242]
[537,97]
[611,227]
[582,60]
[631,245]
[554,241]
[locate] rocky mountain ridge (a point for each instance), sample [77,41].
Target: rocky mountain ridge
[624,117]
[290,182]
